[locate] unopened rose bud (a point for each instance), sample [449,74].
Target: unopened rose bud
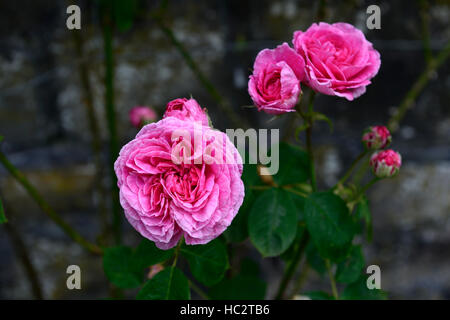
[376,137]
[140,116]
[386,163]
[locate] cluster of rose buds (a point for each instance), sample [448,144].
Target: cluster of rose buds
[333,59]
[384,163]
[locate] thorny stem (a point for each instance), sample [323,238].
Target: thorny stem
[312,171]
[111,117]
[301,279]
[198,290]
[292,266]
[352,167]
[425,19]
[417,88]
[368,185]
[305,238]
[95,131]
[24,256]
[46,207]
[222,103]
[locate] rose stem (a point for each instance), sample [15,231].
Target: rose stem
[96,143]
[224,105]
[305,237]
[111,115]
[46,207]
[332,280]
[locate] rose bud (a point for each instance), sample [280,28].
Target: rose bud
[385,163]
[339,59]
[274,85]
[186,109]
[141,115]
[376,137]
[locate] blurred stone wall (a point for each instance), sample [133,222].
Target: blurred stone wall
[44,122]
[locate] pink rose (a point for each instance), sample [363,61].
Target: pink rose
[274,85]
[179,178]
[386,163]
[376,137]
[185,109]
[339,60]
[141,115]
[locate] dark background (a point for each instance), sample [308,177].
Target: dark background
[47,135]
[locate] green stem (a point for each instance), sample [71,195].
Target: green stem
[177,252]
[95,131]
[111,117]
[198,290]
[312,171]
[292,266]
[301,279]
[222,103]
[288,189]
[368,185]
[352,167]
[418,87]
[46,207]
[299,253]
[332,280]
[24,256]
[425,19]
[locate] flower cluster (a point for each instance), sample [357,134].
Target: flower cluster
[165,199]
[333,59]
[384,163]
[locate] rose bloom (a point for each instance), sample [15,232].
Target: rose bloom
[339,60]
[386,163]
[141,115]
[376,137]
[186,109]
[179,178]
[274,85]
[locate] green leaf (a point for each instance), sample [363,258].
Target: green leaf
[207,262]
[299,203]
[238,230]
[273,222]
[315,260]
[169,284]
[119,267]
[319,295]
[321,117]
[330,225]
[241,287]
[350,269]
[249,267]
[363,212]
[147,254]
[2,213]
[358,291]
[293,166]
[289,254]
